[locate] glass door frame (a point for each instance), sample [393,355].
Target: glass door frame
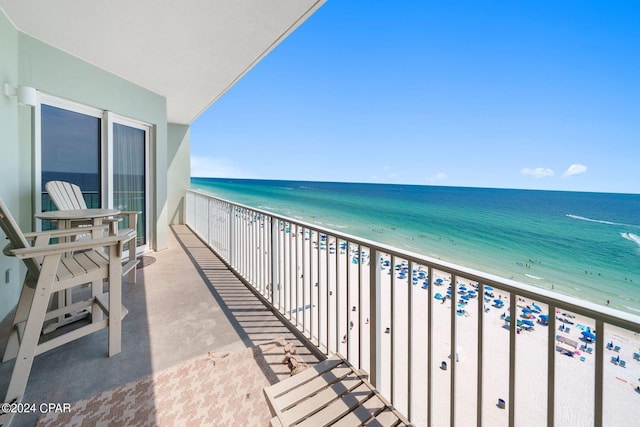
[107,120]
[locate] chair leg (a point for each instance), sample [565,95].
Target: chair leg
[33,326]
[22,313]
[131,277]
[115,302]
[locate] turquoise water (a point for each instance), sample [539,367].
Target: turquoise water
[581,244]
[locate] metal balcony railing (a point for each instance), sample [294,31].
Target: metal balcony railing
[379,306]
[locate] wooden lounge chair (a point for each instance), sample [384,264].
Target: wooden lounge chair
[68,196]
[330,393]
[56,267]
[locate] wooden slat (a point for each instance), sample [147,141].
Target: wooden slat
[97,258]
[309,388]
[337,409]
[65,195]
[126,268]
[72,266]
[385,418]
[103,302]
[284,386]
[320,399]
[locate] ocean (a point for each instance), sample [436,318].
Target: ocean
[581,244]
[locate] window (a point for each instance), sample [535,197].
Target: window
[104,154]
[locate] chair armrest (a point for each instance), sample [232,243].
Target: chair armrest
[63,233]
[133,217]
[37,251]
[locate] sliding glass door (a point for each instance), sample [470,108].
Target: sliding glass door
[104,154]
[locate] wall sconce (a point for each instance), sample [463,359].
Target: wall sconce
[26,95]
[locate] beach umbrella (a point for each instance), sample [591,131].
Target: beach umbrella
[462,288]
[438,296]
[526,311]
[589,335]
[536,307]
[425,284]
[439,280]
[544,317]
[488,288]
[465,297]
[528,322]
[498,301]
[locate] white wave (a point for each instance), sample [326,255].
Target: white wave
[533,277]
[632,237]
[600,221]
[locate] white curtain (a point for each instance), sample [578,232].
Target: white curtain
[129,173]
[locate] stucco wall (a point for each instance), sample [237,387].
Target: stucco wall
[178,170]
[9,165]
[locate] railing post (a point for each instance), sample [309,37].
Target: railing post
[232,236]
[375,313]
[275,285]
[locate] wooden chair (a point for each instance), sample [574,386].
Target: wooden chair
[68,196]
[51,268]
[331,393]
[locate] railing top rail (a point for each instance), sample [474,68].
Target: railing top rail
[589,309]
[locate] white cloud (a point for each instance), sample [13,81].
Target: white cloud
[211,167]
[537,172]
[575,169]
[440,176]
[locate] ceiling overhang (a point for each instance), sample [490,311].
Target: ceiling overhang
[191,52]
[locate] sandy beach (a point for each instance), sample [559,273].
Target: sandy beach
[574,389]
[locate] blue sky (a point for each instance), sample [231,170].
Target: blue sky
[508,94]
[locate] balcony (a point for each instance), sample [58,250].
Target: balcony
[523,355]
[186,303]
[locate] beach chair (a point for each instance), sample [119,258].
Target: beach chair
[610,346]
[57,267]
[68,196]
[332,393]
[636,356]
[622,364]
[615,360]
[616,349]
[589,350]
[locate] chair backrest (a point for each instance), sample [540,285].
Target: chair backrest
[16,238]
[65,195]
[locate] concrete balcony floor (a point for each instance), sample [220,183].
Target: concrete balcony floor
[183,305]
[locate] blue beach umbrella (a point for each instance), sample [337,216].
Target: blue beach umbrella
[439,280]
[488,288]
[528,322]
[465,297]
[438,296]
[536,307]
[589,335]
